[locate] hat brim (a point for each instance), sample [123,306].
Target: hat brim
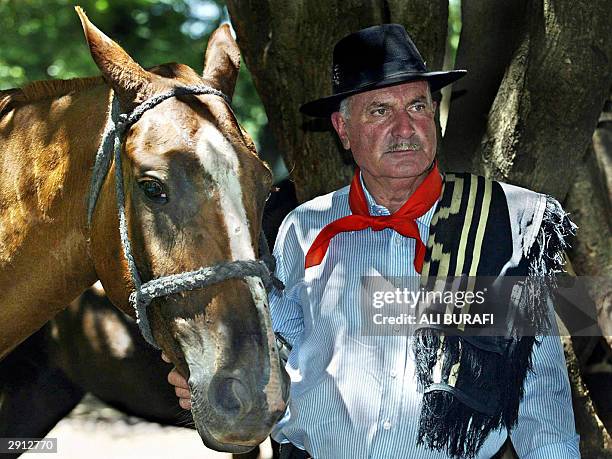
[324,107]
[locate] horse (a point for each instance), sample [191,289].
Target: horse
[185,189]
[93,347]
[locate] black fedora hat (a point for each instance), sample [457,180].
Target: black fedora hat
[373,58]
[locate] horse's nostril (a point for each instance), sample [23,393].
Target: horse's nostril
[230,396]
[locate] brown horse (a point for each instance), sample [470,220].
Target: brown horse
[194,195]
[93,347]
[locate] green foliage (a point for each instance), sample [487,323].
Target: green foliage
[43,39]
[454,28]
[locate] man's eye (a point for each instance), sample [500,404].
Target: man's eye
[379,111]
[154,190]
[419,107]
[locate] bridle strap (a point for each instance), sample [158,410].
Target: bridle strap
[112,140]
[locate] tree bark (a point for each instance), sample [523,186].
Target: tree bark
[547,106]
[589,202]
[485,50]
[602,147]
[594,439]
[288,48]
[592,250]
[602,168]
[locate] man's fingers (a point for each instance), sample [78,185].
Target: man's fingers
[182,393]
[185,403]
[181,388]
[176,379]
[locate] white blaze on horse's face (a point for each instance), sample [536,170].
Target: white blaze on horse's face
[220,159]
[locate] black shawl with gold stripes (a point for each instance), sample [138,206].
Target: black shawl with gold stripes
[473,385]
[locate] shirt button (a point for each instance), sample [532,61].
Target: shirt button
[393,373]
[398,241]
[387,425]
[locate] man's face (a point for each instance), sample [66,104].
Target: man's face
[391,131]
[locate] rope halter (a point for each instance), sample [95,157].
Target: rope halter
[114,134]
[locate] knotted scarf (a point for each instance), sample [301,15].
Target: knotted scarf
[403,220]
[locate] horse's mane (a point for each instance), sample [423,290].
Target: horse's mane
[44,89]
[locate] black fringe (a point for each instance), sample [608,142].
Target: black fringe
[516,364]
[447,425]
[545,259]
[546,254]
[485,397]
[425,346]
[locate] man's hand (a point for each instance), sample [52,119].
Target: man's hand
[181,388]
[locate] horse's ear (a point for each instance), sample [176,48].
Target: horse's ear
[125,76]
[222,60]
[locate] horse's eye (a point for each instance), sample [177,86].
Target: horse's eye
[154,190]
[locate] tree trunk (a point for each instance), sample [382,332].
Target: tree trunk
[602,147]
[287,46]
[485,60]
[589,202]
[547,106]
[536,137]
[594,439]
[592,251]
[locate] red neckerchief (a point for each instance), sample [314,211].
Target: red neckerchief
[402,221]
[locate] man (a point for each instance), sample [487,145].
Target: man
[432,395]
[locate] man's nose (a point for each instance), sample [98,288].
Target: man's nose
[403,125]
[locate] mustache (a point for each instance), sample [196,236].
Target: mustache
[413,144]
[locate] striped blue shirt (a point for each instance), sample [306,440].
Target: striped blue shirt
[354,396]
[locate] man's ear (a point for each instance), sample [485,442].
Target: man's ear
[339,124]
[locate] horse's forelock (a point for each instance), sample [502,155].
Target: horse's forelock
[180,72]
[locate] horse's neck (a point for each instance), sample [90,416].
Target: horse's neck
[47,150]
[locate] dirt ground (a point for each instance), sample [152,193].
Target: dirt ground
[93,430]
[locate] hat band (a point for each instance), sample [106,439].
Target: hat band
[348,81]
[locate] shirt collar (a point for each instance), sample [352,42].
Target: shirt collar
[378,210]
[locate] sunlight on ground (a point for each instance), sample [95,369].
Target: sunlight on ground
[94,430]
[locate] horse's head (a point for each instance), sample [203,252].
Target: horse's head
[194,195]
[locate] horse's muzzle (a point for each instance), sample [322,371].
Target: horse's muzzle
[231,414]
